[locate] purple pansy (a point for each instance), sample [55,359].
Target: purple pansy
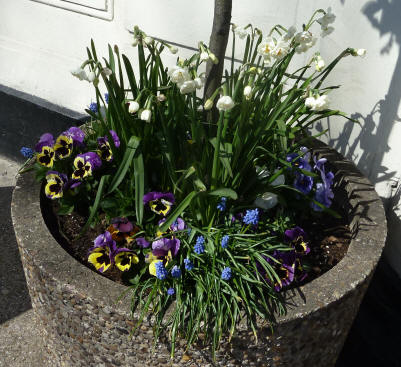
[298,239]
[122,225]
[163,246]
[46,140]
[55,182]
[76,134]
[115,137]
[300,162]
[102,254]
[177,225]
[141,242]
[159,202]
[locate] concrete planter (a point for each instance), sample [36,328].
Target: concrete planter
[85,326]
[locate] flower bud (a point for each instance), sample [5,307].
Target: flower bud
[133,106]
[204,56]
[213,57]
[106,72]
[358,52]
[208,105]
[173,49]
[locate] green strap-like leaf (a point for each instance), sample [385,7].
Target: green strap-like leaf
[224,192]
[125,163]
[95,204]
[139,175]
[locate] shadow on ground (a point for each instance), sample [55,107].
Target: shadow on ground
[14,296]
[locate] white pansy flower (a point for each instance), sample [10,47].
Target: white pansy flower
[204,56]
[248,92]
[188,86]
[146,115]
[225,103]
[306,40]
[241,32]
[317,103]
[80,73]
[133,106]
[267,201]
[179,75]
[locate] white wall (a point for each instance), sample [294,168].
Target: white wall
[40,44]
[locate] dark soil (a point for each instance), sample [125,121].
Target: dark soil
[328,239]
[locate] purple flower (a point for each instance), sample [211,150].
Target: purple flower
[297,238]
[284,268]
[175,272]
[72,184]
[188,264]
[163,246]
[55,184]
[85,164]
[46,140]
[323,193]
[226,273]
[102,254]
[122,224]
[115,137]
[106,97]
[170,291]
[76,134]
[124,258]
[251,217]
[300,162]
[199,247]
[27,152]
[159,202]
[177,225]
[141,242]
[93,107]
[303,183]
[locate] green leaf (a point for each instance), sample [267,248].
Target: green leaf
[125,163]
[224,192]
[139,175]
[95,204]
[111,60]
[180,208]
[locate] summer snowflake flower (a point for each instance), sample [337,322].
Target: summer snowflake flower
[324,22]
[224,241]
[133,106]
[306,40]
[199,247]
[225,103]
[161,272]
[170,291]
[188,264]
[317,103]
[146,115]
[175,272]
[27,152]
[226,273]
[248,92]
[188,86]
[251,217]
[204,56]
[319,63]
[273,48]
[241,32]
[80,73]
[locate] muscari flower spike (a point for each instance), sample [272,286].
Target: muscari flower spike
[101,255]
[188,264]
[224,241]
[222,204]
[85,164]
[199,247]
[159,202]
[93,107]
[45,151]
[297,238]
[251,217]
[27,152]
[176,272]
[170,291]
[226,273]
[161,272]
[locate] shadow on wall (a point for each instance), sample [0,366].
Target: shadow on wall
[376,127]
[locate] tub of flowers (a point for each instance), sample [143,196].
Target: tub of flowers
[208,219]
